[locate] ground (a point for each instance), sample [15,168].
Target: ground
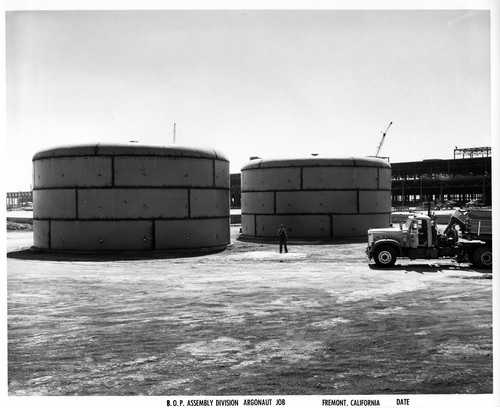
[320,320]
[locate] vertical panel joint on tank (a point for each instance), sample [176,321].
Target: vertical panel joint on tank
[112,171]
[357,201]
[50,235]
[76,203]
[189,202]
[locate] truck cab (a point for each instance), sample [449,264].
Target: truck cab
[420,232]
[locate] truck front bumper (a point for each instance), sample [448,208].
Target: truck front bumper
[368,253]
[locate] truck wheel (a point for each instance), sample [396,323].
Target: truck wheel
[483,257]
[385,256]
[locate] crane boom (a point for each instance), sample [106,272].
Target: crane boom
[382,140]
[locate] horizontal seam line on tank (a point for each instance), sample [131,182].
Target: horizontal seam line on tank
[322,214]
[317,166]
[218,217]
[115,187]
[128,156]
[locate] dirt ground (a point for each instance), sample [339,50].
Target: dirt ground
[319,320]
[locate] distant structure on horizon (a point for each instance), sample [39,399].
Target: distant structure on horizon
[458,181]
[471,152]
[19,200]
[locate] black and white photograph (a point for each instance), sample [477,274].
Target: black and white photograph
[245,204]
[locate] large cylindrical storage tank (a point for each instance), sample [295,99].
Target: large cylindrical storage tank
[130,197]
[315,198]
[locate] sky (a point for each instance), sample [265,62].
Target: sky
[248,82]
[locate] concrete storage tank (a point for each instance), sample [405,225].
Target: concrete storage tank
[119,197]
[315,198]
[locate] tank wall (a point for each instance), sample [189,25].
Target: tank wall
[125,202]
[374,201]
[126,235]
[188,234]
[54,204]
[271,179]
[317,202]
[248,225]
[221,174]
[298,226]
[316,199]
[140,203]
[257,202]
[357,225]
[341,177]
[73,172]
[384,179]
[41,234]
[209,203]
[163,171]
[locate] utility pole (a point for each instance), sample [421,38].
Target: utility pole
[174,132]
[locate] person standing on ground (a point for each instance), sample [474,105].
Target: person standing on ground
[283,238]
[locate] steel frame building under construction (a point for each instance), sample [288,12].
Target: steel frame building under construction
[464,178]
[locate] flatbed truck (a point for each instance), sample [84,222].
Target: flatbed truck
[420,238]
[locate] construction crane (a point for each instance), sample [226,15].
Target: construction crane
[382,140]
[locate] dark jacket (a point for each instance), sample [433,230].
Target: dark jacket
[282,234]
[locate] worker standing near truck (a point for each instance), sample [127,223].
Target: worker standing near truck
[456,218]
